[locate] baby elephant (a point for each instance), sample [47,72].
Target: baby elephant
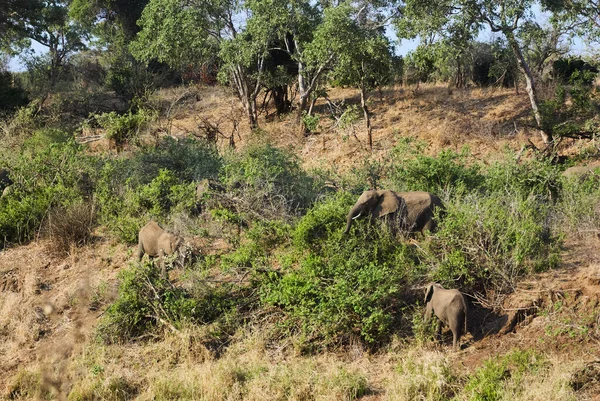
[451,309]
[154,241]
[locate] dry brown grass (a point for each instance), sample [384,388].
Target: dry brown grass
[485,119]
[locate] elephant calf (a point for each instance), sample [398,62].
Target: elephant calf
[154,241]
[450,308]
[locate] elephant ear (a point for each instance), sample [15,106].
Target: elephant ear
[429,293]
[388,203]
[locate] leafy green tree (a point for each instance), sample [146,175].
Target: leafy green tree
[181,32]
[507,17]
[104,17]
[363,56]
[54,30]
[16,19]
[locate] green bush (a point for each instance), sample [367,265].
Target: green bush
[123,128]
[534,177]
[490,242]
[46,175]
[498,374]
[262,238]
[270,181]
[413,171]
[156,183]
[12,95]
[147,301]
[341,287]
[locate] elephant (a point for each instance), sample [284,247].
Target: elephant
[450,308]
[582,172]
[408,211]
[155,241]
[5,182]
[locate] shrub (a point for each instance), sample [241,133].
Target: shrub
[269,181]
[123,128]
[341,287]
[70,226]
[311,122]
[147,301]
[416,172]
[47,175]
[490,242]
[500,374]
[155,183]
[579,206]
[262,238]
[12,95]
[534,177]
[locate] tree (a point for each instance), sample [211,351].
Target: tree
[180,33]
[104,16]
[16,19]
[363,56]
[54,30]
[503,16]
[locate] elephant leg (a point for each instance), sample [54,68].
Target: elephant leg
[429,225]
[163,268]
[140,251]
[438,332]
[455,339]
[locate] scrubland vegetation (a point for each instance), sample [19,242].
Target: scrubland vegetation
[218,130]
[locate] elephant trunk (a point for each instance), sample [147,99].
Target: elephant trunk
[354,213]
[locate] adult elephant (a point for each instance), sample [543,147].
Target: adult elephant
[407,211]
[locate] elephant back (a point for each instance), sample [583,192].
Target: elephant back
[420,208]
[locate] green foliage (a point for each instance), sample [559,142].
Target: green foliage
[125,127]
[492,241]
[146,301]
[262,238]
[153,183]
[47,175]
[12,94]
[533,177]
[271,180]
[488,383]
[311,122]
[341,287]
[417,172]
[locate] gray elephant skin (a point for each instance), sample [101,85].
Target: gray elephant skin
[5,182]
[406,211]
[582,172]
[450,308]
[154,241]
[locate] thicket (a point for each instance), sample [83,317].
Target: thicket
[290,260]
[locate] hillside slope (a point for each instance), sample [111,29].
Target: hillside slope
[50,305]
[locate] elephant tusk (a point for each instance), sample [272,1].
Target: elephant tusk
[357,216]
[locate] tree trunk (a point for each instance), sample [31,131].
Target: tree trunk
[280,99]
[247,98]
[530,85]
[363,103]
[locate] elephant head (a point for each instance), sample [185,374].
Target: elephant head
[375,204]
[450,308]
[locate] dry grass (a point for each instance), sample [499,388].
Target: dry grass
[50,303]
[487,119]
